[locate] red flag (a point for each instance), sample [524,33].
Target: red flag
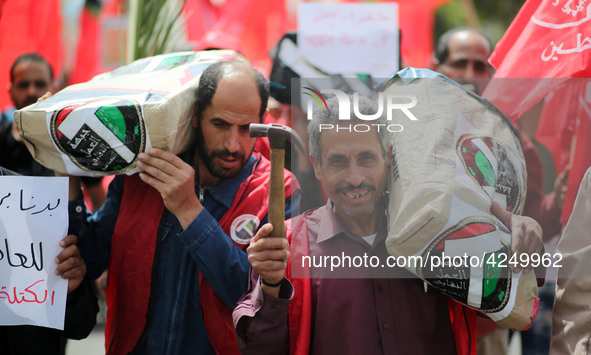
[99,42]
[1,6]
[547,39]
[563,129]
[557,125]
[29,26]
[581,159]
[251,27]
[200,15]
[417,19]
[87,63]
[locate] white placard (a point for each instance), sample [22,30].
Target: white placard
[350,38]
[33,220]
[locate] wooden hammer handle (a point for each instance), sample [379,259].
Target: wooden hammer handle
[277,193]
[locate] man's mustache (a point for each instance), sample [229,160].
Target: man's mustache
[350,187]
[224,153]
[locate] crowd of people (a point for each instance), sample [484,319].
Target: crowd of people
[178,283]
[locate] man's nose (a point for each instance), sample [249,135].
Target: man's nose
[355,175]
[232,143]
[470,71]
[32,90]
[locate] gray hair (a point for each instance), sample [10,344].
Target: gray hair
[365,105]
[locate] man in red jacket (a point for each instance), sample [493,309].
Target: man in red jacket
[173,235]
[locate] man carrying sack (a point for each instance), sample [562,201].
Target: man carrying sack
[299,306]
[172,235]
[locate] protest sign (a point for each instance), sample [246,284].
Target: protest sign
[33,220]
[350,38]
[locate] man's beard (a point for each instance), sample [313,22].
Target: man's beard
[208,158]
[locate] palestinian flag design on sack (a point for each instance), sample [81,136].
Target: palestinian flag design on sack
[488,280]
[103,136]
[486,161]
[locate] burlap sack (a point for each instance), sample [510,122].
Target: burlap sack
[459,156]
[99,127]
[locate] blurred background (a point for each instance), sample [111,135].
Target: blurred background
[82,38]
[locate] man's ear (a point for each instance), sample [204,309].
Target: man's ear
[434,64]
[316,166]
[195,119]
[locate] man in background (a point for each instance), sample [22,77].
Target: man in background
[31,76]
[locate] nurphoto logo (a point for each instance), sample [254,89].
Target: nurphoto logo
[388,103]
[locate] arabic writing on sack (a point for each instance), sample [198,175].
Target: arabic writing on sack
[574,41]
[33,220]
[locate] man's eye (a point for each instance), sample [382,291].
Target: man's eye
[40,84]
[220,124]
[23,85]
[244,128]
[459,64]
[480,67]
[368,160]
[337,161]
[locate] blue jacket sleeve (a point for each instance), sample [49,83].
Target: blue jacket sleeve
[224,265]
[95,240]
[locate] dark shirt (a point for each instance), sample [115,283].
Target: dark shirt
[16,157]
[367,314]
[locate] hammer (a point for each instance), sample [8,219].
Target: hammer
[278,136]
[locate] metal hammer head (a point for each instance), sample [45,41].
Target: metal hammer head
[278,135]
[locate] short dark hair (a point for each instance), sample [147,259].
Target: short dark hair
[29,57]
[442,46]
[208,83]
[365,105]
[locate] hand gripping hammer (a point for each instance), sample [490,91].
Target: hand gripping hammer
[279,136]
